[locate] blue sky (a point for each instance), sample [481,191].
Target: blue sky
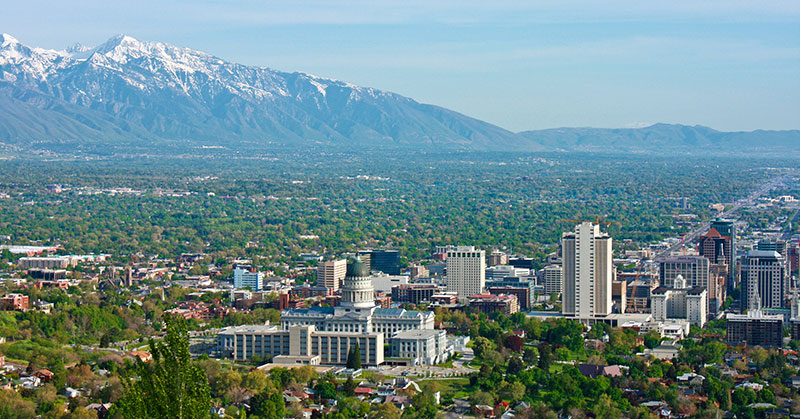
[731,65]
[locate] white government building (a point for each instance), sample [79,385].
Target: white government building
[329,332]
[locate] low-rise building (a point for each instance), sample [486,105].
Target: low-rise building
[418,271]
[264,341]
[413,293]
[420,347]
[385,283]
[245,279]
[18,302]
[528,283]
[755,329]
[59,283]
[444,298]
[504,271]
[487,303]
[523,295]
[60,262]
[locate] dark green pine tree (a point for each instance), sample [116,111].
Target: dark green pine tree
[171,385]
[354,357]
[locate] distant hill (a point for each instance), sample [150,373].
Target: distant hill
[151,97]
[667,139]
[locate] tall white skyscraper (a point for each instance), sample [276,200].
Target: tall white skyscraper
[587,272]
[466,271]
[765,282]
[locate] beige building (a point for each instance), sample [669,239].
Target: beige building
[466,271]
[498,258]
[331,273]
[587,272]
[301,342]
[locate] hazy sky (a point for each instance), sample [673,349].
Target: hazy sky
[731,65]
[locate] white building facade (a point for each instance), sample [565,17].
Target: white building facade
[466,271]
[246,279]
[680,302]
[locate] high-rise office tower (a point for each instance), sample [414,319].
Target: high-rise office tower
[694,270]
[774,245]
[587,272]
[466,271]
[764,280]
[386,261]
[718,245]
[331,273]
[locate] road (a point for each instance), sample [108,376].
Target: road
[787,233]
[749,200]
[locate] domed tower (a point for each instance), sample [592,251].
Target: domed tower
[357,291]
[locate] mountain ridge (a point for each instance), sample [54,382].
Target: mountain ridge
[662,137]
[129,93]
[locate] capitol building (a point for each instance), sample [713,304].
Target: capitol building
[324,335]
[357,312]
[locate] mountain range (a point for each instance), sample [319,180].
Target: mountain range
[128,94]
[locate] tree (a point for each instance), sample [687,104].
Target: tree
[385,411]
[13,406]
[255,381]
[480,345]
[267,405]
[354,358]
[605,409]
[325,389]
[82,413]
[304,374]
[545,356]
[350,386]
[530,356]
[171,385]
[225,381]
[515,365]
[652,339]
[512,391]
[481,397]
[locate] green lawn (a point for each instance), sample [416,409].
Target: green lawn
[455,386]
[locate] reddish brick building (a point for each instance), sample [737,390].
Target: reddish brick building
[17,302]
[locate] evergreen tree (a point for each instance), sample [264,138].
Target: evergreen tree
[171,385]
[354,357]
[350,386]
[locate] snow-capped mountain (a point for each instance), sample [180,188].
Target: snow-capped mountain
[141,92]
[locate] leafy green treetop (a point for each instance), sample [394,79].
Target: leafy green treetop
[171,385]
